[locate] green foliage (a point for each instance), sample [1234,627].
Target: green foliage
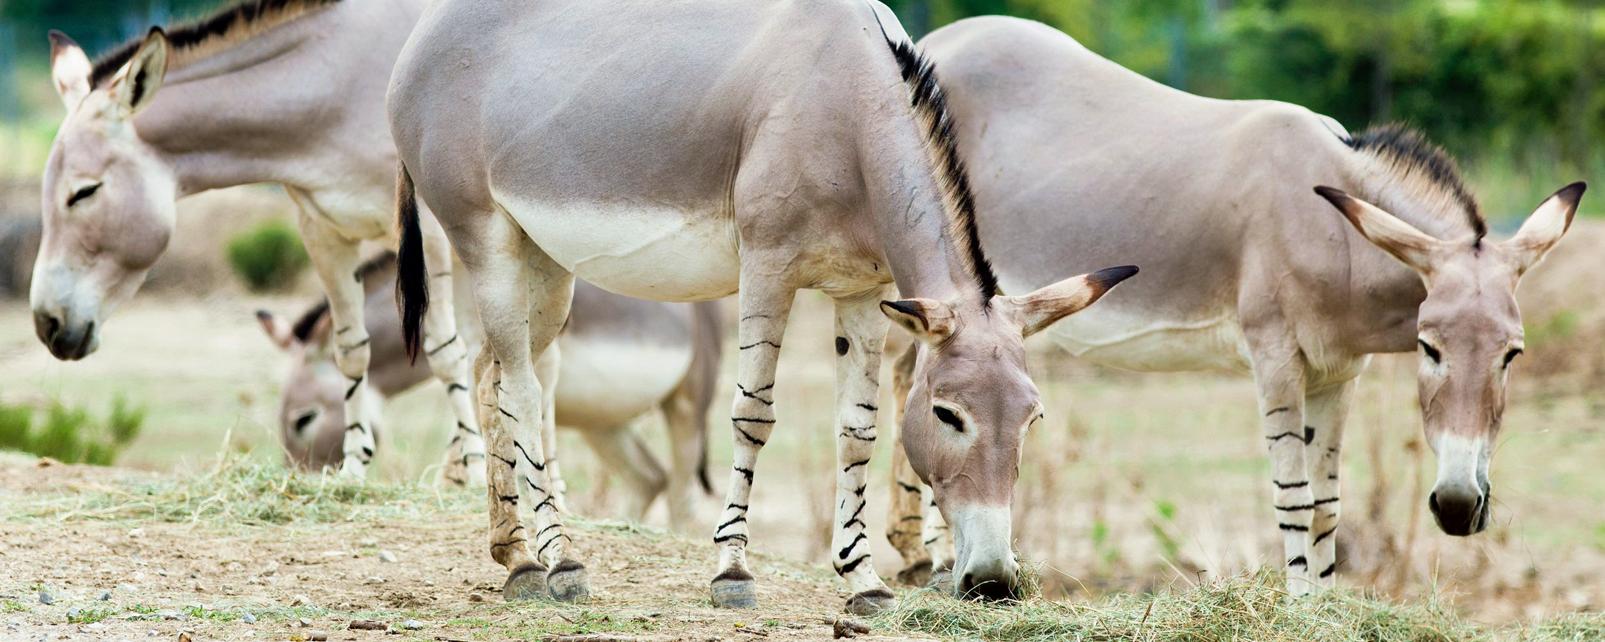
[68,434]
[267,257]
[90,616]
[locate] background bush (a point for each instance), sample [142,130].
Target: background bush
[267,257]
[68,434]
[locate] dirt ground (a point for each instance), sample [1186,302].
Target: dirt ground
[115,579]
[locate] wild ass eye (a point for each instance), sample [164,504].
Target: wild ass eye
[1511,356]
[947,416]
[1431,352]
[83,193]
[303,421]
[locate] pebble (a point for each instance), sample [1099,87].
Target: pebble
[105,596]
[248,618]
[45,597]
[412,625]
[300,600]
[387,556]
[74,613]
[303,622]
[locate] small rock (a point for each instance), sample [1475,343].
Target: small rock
[412,625]
[105,596]
[303,622]
[475,597]
[169,614]
[367,625]
[136,533]
[271,568]
[73,613]
[45,597]
[184,636]
[248,618]
[387,556]
[300,600]
[317,636]
[850,628]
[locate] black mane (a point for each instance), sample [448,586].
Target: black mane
[189,34]
[919,73]
[1410,151]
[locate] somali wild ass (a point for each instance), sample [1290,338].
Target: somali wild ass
[621,358]
[283,91]
[1245,265]
[638,147]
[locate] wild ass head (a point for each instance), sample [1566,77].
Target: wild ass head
[108,201]
[970,407]
[312,407]
[1469,331]
[971,401]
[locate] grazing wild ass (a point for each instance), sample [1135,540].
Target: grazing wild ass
[282,91]
[622,357]
[633,146]
[1246,267]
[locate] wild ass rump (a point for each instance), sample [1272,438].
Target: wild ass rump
[623,357]
[653,154]
[282,91]
[1227,205]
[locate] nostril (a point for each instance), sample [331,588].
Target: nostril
[46,325]
[1432,502]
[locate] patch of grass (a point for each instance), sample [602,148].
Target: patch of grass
[12,606]
[88,616]
[238,491]
[1252,607]
[68,434]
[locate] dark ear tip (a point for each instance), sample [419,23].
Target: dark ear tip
[156,32]
[59,39]
[899,306]
[1573,191]
[1331,194]
[1112,276]
[264,315]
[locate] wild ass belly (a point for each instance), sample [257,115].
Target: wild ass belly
[605,382]
[1128,341]
[648,252]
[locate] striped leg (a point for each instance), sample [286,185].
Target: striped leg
[938,540]
[523,299]
[546,369]
[1325,412]
[905,520]
[336,260]
[448,359]
[860,335]
[762,325]
[1281,396]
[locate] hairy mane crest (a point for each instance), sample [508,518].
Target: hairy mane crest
[1408,154]
[930,108]
[224,27]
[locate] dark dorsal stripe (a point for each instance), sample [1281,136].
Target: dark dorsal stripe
[930,105]
[1409,151]
[302,330]
[189,34]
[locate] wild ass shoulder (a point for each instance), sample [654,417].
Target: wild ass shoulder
[280,91]
[1227,205]
[633,146]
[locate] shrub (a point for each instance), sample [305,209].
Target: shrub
[68,434]
[267,257]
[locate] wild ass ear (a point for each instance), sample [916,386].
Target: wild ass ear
[277,331]
[928,320]
[1545,227]
[69,68]
[1042,308]
[1406,243]
[136,83]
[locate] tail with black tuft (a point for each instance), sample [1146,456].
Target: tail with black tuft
[412,275]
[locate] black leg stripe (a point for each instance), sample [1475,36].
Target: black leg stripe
[748,436]
[869,406]
[734,520]
[855,464]
[511,499]
[733,536]
[736,506]
[1288,485]
[356,383]
[1285,435]
[847,550]
[464,427]
[1277,410]
[1294,528]
[745,472]
[909,487]
[1328,500]
[1298,561]
[1325,535]
[454,387]
[751,420]
[1329,570]
[761,343]
[849,566]
[442,346]
[1296,507]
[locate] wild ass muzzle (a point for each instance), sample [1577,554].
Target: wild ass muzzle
[622,358]
[256,92]
[632,146]
[1245,268]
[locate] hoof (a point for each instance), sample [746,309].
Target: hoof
[916,574]
[568,582]
[871,602]
[527,582]
[942,579]
[735,589]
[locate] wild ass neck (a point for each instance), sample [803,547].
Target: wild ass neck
[299,104]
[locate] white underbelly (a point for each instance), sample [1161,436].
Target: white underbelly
[1124,341]
[602,384]
[665,254]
